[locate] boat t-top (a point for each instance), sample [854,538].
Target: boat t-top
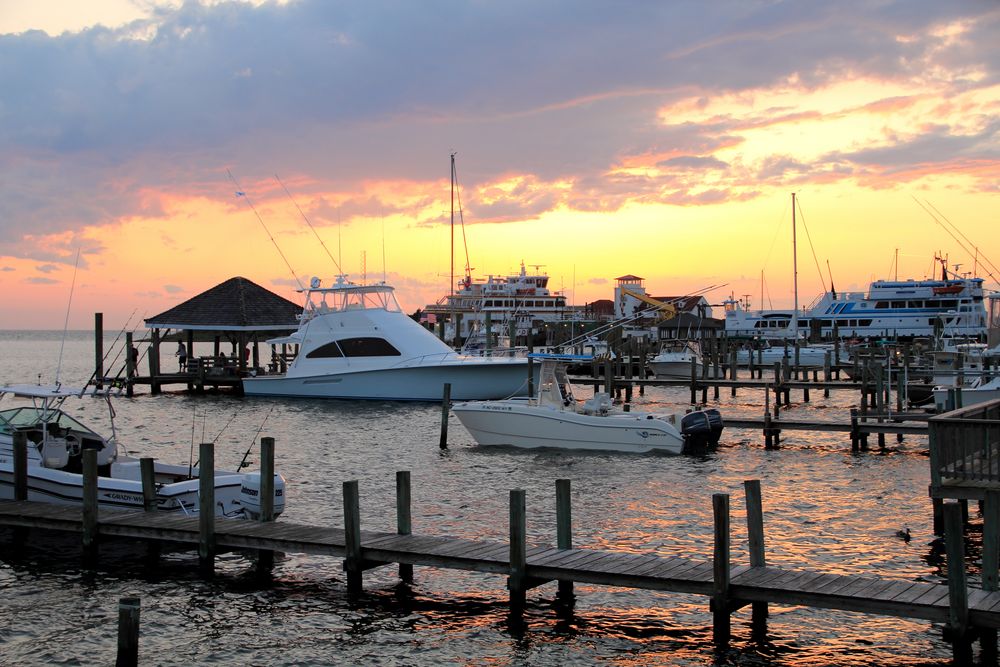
[355,342]
[55,445]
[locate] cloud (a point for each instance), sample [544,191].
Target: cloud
[46,268]
[104,124]
[41,280]
[173,289]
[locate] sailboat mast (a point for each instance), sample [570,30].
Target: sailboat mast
[451,299]
[795,275]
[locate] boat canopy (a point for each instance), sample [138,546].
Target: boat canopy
[345,295]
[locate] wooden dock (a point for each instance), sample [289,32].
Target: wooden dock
[967,613]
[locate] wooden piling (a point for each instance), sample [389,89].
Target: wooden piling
[352,537]
[99,350]
[445,409]
[130,365]
[990,568]
[564,529]
[721,621]
[148,476]
[20,465]
[404,519]
[755,537]
[206,506]
[89,498]
[694,381]
[265,557]
[957,629]
[516,583]
[128,632]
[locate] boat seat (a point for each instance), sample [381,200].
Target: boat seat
[600,404]
[55,454]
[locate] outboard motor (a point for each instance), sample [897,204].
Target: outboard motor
[250,495]
[701,429]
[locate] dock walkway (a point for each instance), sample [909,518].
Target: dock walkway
[746,584]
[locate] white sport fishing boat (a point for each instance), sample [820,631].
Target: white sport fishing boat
[55,445]
[553,418]
[979,390]
[355,342]
[810,356]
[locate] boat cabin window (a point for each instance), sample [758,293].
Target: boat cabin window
[325,352]
[899,304]
[881,305]
[367,347]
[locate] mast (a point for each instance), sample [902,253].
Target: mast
[795,276]
[451,298]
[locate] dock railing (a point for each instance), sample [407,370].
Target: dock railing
[965,451]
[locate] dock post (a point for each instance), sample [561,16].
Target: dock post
[564,530]
[733,374]
[755,537]
[20,465]
[957,628]
[128,632]
[153,360]
[265,557]
[352,537]
[89,498]
[855,437]
[206,506]
[721,621]
[516,583]
[694,381]
[990,567]
[131,363]
[148,477]
[768,432]
[99,350]
[445,409]
[404,520]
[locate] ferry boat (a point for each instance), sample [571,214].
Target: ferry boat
[522,299]
[902,308]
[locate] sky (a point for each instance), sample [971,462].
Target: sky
[591,139]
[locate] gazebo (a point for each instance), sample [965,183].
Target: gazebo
[238,312]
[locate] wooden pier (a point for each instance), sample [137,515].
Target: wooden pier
[967,613]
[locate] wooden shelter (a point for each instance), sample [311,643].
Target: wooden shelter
[238,314]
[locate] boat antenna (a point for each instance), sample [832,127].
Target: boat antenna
[243,462]
[240,192]
[62,345]
[382,218]
[315,233]
[194,420]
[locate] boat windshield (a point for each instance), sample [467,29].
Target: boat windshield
[345,296]
[15,418]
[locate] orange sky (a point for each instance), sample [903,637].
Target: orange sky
[682,179]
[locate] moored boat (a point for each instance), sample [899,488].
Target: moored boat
[56,441]
[553,418]
[355,342]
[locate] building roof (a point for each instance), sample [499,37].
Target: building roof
[629,277]
[683,303]
[235,305]
[687,321]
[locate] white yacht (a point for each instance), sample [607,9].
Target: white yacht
[810,356]
[553,418]
[355,342]
[54,456]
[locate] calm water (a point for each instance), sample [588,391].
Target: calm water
[824,508]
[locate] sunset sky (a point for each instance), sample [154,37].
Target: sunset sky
[596,139]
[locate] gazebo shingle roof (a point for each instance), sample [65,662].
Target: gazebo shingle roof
[235,305]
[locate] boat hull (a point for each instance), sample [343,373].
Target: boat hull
[808,357]
[506,423]
[488,380]
[677,370]
[122,491]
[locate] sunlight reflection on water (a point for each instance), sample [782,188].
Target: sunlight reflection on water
[825,508]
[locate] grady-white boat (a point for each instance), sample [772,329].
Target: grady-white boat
[978,391]
[55,445]
[355,342]
[553,418]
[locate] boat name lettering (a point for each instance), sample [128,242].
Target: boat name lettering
[110,495]
[498,408]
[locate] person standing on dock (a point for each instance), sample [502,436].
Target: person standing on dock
[182,356]
[135,359]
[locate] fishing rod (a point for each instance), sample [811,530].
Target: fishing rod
[240,192]
[243,462]
[66,323]
[315,233]
[93,376]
